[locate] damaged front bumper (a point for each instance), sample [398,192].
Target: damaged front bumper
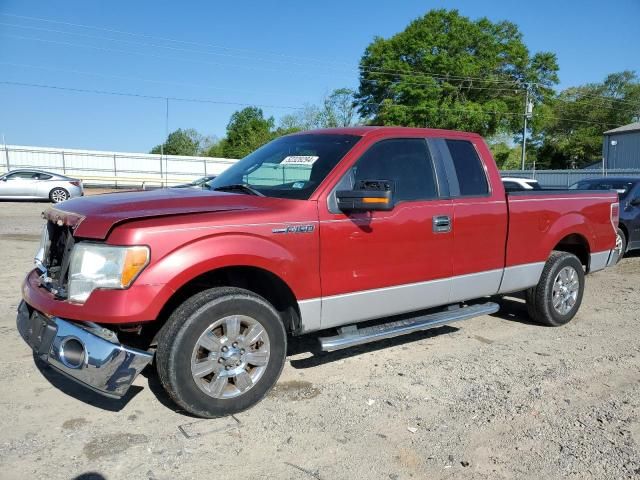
[86,353]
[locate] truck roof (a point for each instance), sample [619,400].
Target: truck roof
[389,130]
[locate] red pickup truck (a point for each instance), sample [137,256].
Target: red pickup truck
[316,230]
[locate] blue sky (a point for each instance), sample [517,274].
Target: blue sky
[284,53]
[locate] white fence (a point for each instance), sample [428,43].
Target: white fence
[112,168]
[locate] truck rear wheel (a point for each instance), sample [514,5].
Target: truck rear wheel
[221,351]
[558,295]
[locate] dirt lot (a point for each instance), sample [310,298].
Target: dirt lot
[495,397]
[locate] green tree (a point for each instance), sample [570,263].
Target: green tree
[569,128]
[181,142]
[215,148]
[504,151]
[247,130]
[447,71]
[307,118]
[337,110]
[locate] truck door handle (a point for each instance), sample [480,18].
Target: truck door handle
[441,224]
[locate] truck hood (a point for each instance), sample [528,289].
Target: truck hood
[94,216]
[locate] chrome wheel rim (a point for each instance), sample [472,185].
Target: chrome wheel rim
[618,247]
[565,290]
[58,196]
[230,356]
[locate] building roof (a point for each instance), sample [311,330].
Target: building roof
[632,127]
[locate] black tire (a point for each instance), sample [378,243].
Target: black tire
[540,299]
[58,195]
[623,245]
[178,337]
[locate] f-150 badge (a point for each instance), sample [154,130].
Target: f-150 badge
[294,229]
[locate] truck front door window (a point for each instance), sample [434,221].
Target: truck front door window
[405,162]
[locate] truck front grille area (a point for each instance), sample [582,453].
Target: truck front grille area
[57,245]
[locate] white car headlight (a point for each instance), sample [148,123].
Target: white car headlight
[42,248]
[96,265]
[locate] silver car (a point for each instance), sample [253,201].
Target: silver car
[31,184]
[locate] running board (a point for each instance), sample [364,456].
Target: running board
[351,335]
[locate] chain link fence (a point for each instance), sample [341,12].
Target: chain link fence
[113,169]
[565,178]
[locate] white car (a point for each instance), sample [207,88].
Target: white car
[30,184]
[517,184]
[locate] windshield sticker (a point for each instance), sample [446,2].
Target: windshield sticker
[299,160]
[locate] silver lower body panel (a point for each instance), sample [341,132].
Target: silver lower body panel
[602,260]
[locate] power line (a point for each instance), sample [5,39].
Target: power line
[152,97]
[154,45]
[139,79]
[377,70]
[166,39]
[249,67]
[253,51]
[516,114]
[196,85]
[289,107]
[602,97]
[404,82]
[142,54]
[199,62]
[604,104]
[458,87]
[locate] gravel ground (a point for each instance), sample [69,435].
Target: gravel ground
[495,397]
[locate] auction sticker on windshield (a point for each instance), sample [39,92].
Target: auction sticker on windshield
[299,160]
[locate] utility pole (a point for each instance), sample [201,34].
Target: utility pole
[6,152]
[166,135]
[166,118]
[528,110]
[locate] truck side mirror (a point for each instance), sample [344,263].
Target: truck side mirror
[367,195]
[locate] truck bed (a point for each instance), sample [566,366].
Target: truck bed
[539,217]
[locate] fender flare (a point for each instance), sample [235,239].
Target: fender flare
[177,268]
[566,225]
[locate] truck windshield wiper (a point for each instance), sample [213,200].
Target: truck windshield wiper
[243,187]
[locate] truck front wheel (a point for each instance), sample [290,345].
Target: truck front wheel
[558,295]
[221,351]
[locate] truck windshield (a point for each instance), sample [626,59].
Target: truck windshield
[288,167]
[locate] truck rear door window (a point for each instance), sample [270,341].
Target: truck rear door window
[469,170]
[404,161]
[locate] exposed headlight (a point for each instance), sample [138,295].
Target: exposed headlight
[42,248]
[103,266]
